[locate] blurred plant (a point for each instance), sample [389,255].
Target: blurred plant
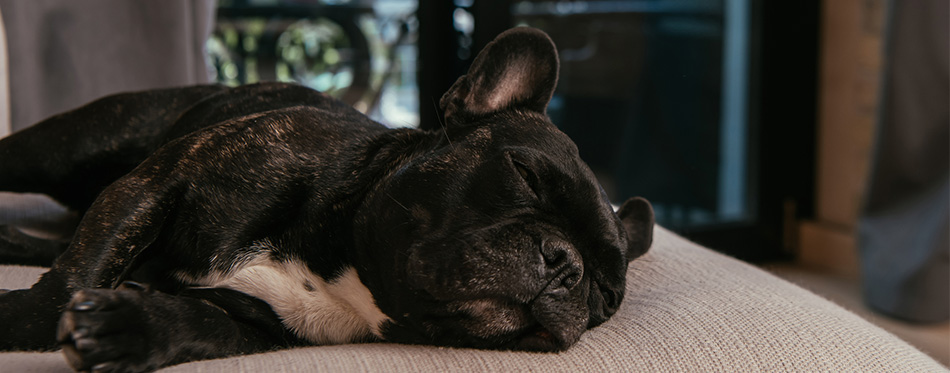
[345,49]
[315,52]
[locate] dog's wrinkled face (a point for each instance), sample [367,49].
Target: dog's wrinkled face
[500,237]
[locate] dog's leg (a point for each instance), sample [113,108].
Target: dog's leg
[17,247]
[110,237]
[73,156]
[28,320]
[115,230]
[136,329]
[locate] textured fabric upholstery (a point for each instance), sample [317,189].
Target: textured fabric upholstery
[687,309]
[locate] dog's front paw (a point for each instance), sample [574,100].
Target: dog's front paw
[103,330]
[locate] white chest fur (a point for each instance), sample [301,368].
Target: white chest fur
[321,312]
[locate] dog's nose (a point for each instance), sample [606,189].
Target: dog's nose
[563,261]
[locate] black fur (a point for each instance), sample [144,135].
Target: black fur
[491,233]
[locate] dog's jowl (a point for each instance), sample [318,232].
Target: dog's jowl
[222,221]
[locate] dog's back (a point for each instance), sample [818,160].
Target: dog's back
[128,127]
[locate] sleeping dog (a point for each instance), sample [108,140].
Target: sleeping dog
[222,221]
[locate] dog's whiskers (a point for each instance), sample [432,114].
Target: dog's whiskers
[397,201]
[441,122]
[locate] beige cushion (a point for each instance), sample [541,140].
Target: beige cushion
[687,309]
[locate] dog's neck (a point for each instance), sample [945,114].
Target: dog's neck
[329,212]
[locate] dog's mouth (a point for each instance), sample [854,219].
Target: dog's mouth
[538,338]
[499,324]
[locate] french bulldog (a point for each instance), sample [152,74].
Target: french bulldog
[223,221]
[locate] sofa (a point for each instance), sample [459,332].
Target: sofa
[687,309]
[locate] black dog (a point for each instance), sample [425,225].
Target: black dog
[270,215]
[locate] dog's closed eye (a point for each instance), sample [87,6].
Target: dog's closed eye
[529,177]
[522,170]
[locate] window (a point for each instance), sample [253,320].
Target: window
[360,52]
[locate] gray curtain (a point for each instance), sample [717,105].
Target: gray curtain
[65,53]
[904,229]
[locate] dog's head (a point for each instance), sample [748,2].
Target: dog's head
[499,237]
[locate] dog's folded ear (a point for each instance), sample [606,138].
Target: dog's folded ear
[637,217]
[517,70]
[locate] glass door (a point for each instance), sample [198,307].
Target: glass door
[704,107]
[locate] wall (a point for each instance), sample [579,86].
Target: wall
[850,66]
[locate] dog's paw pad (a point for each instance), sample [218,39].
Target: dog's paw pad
[101,330]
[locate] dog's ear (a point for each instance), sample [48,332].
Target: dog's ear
[637,217]
[517,70]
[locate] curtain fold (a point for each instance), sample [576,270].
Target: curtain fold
[65,53]
[904,228]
